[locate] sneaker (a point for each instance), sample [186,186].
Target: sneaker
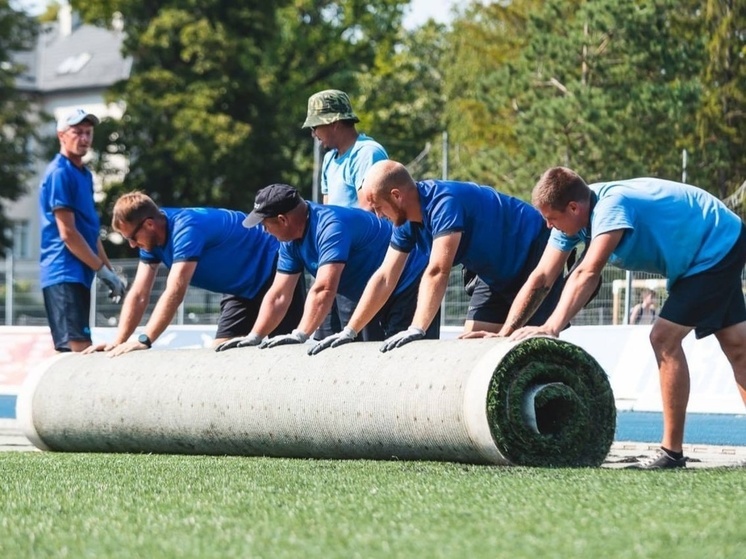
[660,461]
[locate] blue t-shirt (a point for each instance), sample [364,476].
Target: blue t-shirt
[66,186]
[342,175]
[230,258]
[672,229]
[354,237]
[497,230]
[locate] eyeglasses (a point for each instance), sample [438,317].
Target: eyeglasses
[133,236]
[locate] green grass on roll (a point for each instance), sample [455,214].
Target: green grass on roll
[575,411]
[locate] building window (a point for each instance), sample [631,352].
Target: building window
[21,239]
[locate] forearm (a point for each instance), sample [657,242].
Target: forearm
[164,312]
[528,300]
[76,244]
[318,304]
[576,293]
[273,310]
[377,292]
[432,290]
[133,309]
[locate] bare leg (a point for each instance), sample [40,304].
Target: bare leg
[666,338]
[733,342]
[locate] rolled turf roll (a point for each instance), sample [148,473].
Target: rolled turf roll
[539,402]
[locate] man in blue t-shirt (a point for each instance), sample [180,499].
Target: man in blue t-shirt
[205,247]
[341,248]
[498,237]
[650,225]
[71,248]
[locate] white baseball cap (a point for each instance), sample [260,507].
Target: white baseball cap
[76,117]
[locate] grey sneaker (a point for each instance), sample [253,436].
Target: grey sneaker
[660,461]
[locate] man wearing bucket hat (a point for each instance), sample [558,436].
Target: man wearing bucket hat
[341,248]
[350,154]
[71,249]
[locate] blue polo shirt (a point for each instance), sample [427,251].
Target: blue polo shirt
[342,175]
[350,236]
[672,229]
[66,186]
[230,258]
[497,230]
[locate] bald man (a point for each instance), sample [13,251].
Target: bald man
[498,237]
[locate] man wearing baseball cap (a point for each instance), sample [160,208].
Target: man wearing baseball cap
[71,249]
[341,248]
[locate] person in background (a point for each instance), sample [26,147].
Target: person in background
[71,249]
[629,224]
[349,156]
[644,312]
[205,247]
[341,248]
[350,153]
[498,237]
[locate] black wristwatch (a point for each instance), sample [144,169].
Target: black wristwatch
[143,339]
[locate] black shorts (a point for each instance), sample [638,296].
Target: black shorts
[396,316]
[713,299]
[68,307]
[238,314]
[487,305]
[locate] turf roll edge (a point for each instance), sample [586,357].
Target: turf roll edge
[538,402]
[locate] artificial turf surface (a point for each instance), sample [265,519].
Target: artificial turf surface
[103,505]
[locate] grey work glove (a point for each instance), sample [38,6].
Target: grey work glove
[335,340]
[111,279]
[402,338]
[295,337]
[244,341]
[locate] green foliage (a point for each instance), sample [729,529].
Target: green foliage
[606,87]
[97,505]
[17,33]
[721,121]
[218,90]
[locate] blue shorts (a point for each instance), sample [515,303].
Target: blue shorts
[68,307]
[713,299]
[489,305]
[238,314]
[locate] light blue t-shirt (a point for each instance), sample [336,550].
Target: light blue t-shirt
[66,186]
[672,229]
[342,175]
[354,237]
[230,258]
[497,230]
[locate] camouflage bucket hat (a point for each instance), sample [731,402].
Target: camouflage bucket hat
[328,106]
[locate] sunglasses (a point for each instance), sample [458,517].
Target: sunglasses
[133,236]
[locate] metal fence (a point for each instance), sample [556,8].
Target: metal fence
[22,303]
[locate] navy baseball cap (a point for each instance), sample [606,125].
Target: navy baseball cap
[271,201]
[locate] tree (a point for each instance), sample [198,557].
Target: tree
[606,87]
[218,88]
[721,120]
[17,130]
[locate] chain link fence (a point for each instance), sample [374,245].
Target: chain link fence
[22,303]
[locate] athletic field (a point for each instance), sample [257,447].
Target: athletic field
[119,505]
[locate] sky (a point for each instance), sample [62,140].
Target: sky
[419,12]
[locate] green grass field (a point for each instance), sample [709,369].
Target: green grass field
[99,505]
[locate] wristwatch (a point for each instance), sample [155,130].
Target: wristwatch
[145,340]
